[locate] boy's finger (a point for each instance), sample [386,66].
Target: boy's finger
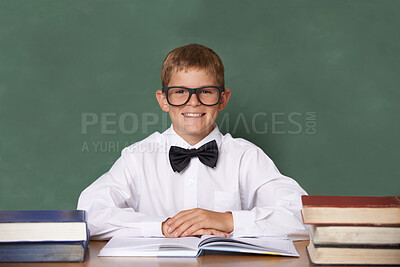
[220,233]
[210,232]
[193,223]
[181,220]
[164,229]
[216,232]
[194,228]
[180,215]
[202,232]
[176,224]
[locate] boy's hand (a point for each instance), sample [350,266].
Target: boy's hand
[198,222]
[165,226]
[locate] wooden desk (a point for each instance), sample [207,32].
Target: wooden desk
[210,258]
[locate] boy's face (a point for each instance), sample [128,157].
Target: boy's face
[192,121]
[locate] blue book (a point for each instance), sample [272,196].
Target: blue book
[43,236]
[38,216]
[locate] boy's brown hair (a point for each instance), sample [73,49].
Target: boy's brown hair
[192,56]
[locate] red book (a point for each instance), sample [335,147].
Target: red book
[351,210]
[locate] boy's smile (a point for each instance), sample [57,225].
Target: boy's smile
[193,115]
[192,121]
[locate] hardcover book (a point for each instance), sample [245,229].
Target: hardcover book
[362,236]
[43,236]
[352,256]
[351,210]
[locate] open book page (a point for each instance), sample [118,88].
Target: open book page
[191,246]
[259,245]
[157,247]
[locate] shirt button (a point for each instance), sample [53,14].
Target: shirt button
[191,182]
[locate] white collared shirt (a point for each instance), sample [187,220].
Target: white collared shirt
[141,190]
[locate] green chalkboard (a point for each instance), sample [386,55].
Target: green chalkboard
[315,84]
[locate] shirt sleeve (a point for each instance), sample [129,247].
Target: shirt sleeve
[111,202]
[271,202]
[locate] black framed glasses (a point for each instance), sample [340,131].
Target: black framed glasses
[179,95]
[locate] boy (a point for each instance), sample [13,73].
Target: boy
[191,179]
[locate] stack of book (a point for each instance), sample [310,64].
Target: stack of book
[353,230]
[43,236]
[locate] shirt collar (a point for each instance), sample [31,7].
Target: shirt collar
[173,139]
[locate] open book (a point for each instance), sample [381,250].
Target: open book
[193,246]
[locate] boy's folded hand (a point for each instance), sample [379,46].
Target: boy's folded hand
[198,222]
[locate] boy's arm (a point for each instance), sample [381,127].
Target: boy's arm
[272,201]
[109,201]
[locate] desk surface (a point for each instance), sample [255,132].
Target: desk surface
[208,259]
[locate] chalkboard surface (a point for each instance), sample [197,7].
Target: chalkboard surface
[315,84]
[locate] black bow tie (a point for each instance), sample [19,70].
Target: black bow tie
[180,157]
